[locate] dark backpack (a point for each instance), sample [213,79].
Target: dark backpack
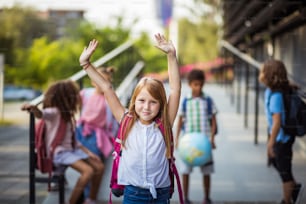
[209,108]
[295,113]
[44,163]
[117,189]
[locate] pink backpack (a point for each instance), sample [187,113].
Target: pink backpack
[44,163]
[117,189]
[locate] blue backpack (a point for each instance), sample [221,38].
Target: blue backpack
[209,108]
[295,113]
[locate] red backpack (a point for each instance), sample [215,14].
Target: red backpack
[118,189]
[44,163]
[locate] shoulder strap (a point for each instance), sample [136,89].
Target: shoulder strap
[173,168]
[184,104]
[59,137]
[209,105]
[122,127]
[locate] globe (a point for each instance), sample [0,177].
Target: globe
[195,149]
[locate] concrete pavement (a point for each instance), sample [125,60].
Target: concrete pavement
[241,174]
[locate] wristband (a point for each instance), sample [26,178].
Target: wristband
[85,64]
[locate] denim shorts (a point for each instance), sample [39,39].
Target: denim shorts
[137,195]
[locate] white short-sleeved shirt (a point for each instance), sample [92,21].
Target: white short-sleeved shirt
[143,162]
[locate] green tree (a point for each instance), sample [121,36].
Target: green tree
[198,41]
[19,26]
[200,31]
[43,59]
[154,59]
[48,60]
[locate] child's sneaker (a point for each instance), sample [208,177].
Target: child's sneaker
[297,192]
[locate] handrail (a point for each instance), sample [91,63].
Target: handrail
[97,63]
[240,54]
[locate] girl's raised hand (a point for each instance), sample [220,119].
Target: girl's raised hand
[87,52]
[163,44]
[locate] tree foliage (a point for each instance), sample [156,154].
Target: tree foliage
[155,60]
[34,57]
[198,41]
[19,26]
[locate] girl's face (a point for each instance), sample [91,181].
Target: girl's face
[146,107]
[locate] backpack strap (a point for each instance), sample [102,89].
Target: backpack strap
[209,105]
[59,137]
[172,165]
[118,145]
[60,134]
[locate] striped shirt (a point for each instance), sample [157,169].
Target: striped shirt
[196,116]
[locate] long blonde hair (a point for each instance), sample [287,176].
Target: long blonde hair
[157,91]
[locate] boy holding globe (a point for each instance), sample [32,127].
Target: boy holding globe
[195,117]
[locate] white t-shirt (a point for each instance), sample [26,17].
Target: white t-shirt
[143,161]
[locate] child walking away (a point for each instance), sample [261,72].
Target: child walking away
[96,127]
[144,165]
[61,102]
[195,116]
[273,74]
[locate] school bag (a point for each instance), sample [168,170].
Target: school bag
[295,113]
[44,163]
[117,189]
[209,108]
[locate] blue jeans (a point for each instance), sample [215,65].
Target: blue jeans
[136,195]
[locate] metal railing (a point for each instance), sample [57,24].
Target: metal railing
[122,90]
[249,62]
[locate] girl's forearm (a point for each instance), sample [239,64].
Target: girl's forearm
[106,87]
[97,77]
[173,72]
[175,86]
[276,125]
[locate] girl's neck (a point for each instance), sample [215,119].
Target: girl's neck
[146,124]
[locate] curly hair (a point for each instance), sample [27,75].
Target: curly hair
[275,75]
[65,96]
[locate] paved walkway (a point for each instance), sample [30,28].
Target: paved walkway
[241,174]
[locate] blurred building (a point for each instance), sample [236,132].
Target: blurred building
[61,19]
[269,29]
[164,10]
